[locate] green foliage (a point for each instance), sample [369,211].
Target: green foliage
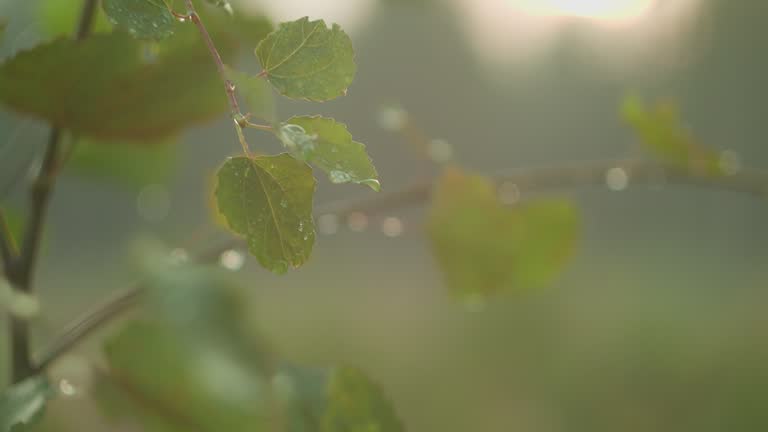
[358,405]
[124,97]
[327,144]
[23,404]
[663,133]
[257,94]
[128,163]
[484,247]
[269,201]
[3,25]
[306,60]
[144,19]
[198,365]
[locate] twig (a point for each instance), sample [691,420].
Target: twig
[20,271]
[573,175]
[229,86]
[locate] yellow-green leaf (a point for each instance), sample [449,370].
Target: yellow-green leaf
[484,247]
[269,201]
[327,144]
[305,59]
[663,133]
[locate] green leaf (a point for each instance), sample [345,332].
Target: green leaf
[60,18]
[306,60]
[127,163]
[24,403]
[3,25]
[256,92]
[663,133]
[125,96]
[356,404]
[269,201]
[328,145]
[484,247]
[144,19]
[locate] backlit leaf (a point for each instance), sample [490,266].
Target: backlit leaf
[23,404]
[306,60]
[269,201]
[328,145]
[144,19]
[125,95]
[663,133]
[484,247]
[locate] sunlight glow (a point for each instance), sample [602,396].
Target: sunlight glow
[596,9]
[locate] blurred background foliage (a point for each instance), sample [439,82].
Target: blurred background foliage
[658,321]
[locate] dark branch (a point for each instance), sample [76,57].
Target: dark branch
[21,271]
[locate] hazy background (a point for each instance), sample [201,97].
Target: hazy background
[659,322]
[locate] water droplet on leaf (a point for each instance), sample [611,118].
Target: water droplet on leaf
[337,177]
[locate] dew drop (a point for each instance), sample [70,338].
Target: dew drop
[232,260]
[392,119]
[617,179]
[284,203]
[67,389]
[392,227]
[301,226]
[328,224]
[337,177]
[509,193]
[357,221]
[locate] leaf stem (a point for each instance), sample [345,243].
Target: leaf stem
[21,268]
[229,86]
[266,128]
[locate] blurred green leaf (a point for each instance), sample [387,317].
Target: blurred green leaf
[59,18]
[257,94]
[327,144]
[133,164]
[144,19]
[663,133]
[484,247]
[306,60]
[356,404]
[269,201]
[24,403]
[3,25]
[126,95]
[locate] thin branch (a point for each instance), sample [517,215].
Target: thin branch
[229,87]
[571,175]
[21,271]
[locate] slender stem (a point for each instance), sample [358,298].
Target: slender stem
[21,271]
[265,128]
[229,86]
